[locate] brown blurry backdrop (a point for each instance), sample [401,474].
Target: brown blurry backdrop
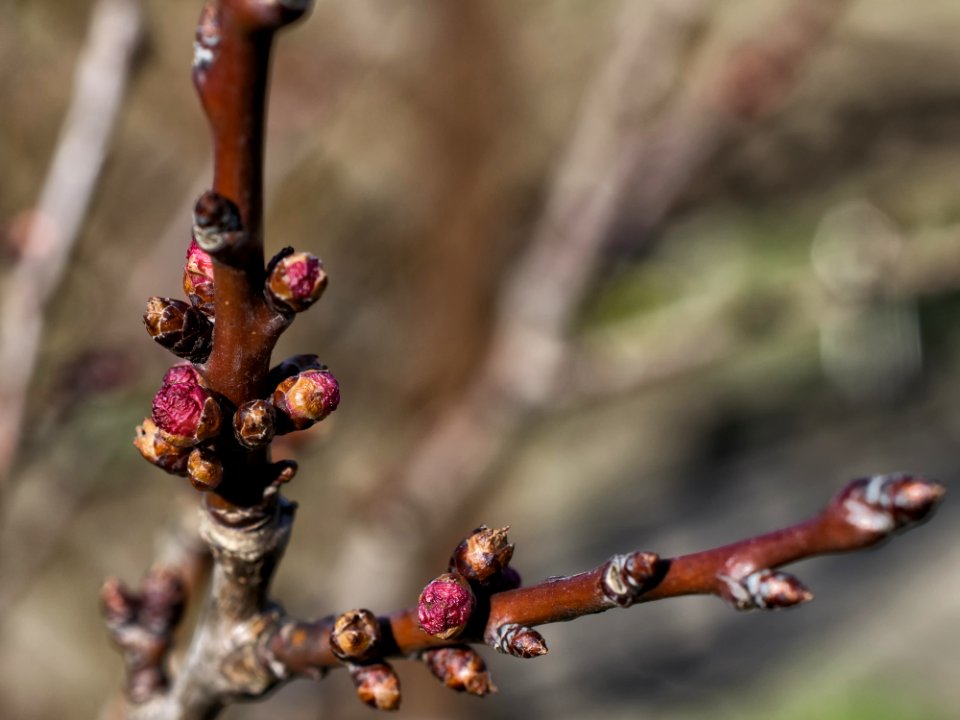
[639,274]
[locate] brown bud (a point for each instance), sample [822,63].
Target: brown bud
[627,577]
[377,685]
[459,668]
[886,503]
[198,279]
[158,451]
[356,636]
[186,413]
[295,280]
[445,606]
[254,423]
[482,555]
[216,222]
[307,397]
[204,469]
[180,328]
[519,641]
[292,366]
[764,590]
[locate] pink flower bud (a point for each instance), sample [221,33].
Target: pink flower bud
[186,414]
[307,397]
[445,606]
[198,278]
[183,373]
[295,280]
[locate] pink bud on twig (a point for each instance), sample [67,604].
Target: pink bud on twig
[198,278]
[445,606]
[307,397]
[186,413]
[295,280]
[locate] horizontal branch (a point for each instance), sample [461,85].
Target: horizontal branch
[864,513]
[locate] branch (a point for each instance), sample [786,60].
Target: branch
[863,514]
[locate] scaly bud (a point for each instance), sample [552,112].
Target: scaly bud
[356,636]
[764,590]
[254,423]
[204,469]
[158,451]
[445,606]
[459,668]
[886,503]
[482,555]
[307,397]
[216,222]
[295,280]
[519,641]
[186,414]
[198,279]
[180,328]
[377,685]
[627,577]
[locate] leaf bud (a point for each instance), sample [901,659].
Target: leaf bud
[356,636]
[295,280]
[764,589]
[198,279]
[307,397]
[460,668]
[158,451]
[377,685]
[180,328]
[216,222]
[186,414]
[445,606]
[519,641]
[482,555]
[254,423]
[204,469]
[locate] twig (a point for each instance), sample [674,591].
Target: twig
[103,73]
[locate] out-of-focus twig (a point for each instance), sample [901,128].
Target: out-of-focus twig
[103,73]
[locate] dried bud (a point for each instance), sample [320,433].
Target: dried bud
[198,279]
[216,222]
[254,423]
[460,668]
[519,641]
[377,685]
[118,604]
[886,503]
[764,590]
[356,636]
[164,596]
[186,414]
[295,280]
[180,328]
[158,451]
[445,606]
[482,555]
[307,397]
[204,469]
[627,577]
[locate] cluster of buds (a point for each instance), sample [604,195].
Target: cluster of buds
[185,414]
[141,624]
[479,566]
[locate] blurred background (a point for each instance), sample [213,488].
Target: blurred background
[620,274]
